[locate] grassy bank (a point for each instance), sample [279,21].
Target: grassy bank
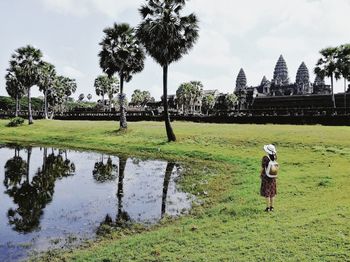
[311,221]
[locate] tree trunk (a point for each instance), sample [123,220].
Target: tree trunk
[169,130]
[168,171]
[120,191]
[44,159]
[30,116]
[333,98]
[123,123]
[344,95]
[17,102]
[45,105]
[110,103]
[52,113]
[29,153]
[103,102]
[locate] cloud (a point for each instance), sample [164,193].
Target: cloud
[110,8]
[72,72]
[233,34]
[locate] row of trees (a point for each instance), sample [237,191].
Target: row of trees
[163,33]
[28,69]
[190,94]
[335,63]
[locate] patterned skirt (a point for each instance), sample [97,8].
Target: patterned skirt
[268,186]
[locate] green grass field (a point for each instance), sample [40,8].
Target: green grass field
[312,210]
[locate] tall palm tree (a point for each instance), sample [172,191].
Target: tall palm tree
[46,81]
[326,66]
[167,36]
[121,53]
[343,66]
[26,61]
[14,88]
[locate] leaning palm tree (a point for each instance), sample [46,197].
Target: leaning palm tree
[167,36]
[122,54]
[46,81]
[343,66]
[14,88]
[326,66]
[26,62]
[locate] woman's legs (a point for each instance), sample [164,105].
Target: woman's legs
[267,202]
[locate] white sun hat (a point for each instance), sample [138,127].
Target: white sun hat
[270,149]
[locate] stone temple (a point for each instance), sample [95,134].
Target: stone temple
[280,85]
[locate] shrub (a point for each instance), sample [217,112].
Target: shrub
[17,121]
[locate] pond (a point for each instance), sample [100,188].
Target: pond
[53,198]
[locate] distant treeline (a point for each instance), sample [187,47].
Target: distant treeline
[9,104]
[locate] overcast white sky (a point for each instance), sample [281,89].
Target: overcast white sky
[233,34]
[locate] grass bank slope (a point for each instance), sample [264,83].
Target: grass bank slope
[311,218]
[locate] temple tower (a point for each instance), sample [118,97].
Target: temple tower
[280,74]
[302,80]
[241,81]
[263,81]
[265,86]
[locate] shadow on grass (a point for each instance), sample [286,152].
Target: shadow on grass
[118,132]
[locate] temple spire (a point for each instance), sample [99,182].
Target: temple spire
[241,82]
[263,81]
[280,74]
[303,76]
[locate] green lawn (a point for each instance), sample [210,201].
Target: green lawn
[312,210]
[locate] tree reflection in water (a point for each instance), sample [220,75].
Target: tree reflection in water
[31,197]
[123,219]
[104,172]
[168,171]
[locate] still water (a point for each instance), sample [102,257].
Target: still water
[53,198]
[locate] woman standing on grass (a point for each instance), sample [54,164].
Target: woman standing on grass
[268,176]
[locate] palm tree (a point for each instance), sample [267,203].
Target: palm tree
[230,101]
[141,98]
[167,36]
[208,103]
[326,66]
[62,88]
[14,88]
[343,66]
[46,80]
[105,85]
[26,62]
[121,53]
[89,97]
[81,97]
